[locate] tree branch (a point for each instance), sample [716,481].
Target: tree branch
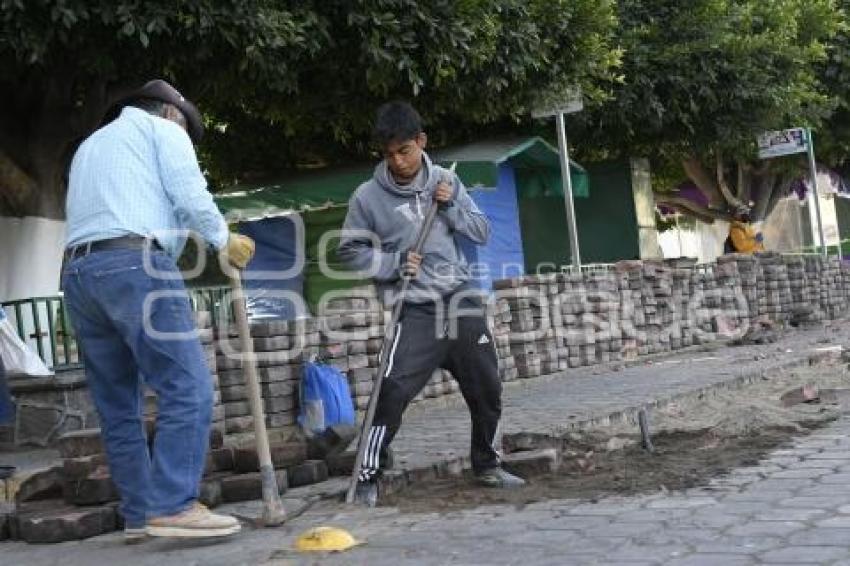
[690,208]
[744,179]
[721,183]
[703,180]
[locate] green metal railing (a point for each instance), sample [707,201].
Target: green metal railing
[42,323]
[216,300]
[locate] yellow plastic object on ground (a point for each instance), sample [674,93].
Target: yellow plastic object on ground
[325,539]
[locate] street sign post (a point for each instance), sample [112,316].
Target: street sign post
[571,102]
[782,142]
[790,142]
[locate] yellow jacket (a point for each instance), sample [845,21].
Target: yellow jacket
[744,238]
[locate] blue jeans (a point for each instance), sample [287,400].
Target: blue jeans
[105,293]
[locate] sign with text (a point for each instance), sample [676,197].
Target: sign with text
[566,102]
[782,142]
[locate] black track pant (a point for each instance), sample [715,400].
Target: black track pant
[419,348]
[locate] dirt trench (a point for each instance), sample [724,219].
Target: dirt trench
[695,440]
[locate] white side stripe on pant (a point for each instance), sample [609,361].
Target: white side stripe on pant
[376,455]
[373,450]
[366,472]
[392,350]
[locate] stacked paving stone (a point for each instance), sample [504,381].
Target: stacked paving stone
[632,316]
[658,307]
[77,499]
[603,308]
[586,314]
[552,349]
[207,336]
[441,383]
[844,267]
[499,318]
[348,337]
[354,326]
[749,274]
[817,293]
[682,327]
[72,501]
[804,309]
[84,473]
[706,303]
[825,283]
[279,349]
[833,300]
[774,289]
[528,310]
[734,308]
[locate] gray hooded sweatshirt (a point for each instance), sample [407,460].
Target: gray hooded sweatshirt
[394,215]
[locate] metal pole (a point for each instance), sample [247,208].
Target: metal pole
[816,193]
[679,234]
[568,190]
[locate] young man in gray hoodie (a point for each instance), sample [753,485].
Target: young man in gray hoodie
[443,322]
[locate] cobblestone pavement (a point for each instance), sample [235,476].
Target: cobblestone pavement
[793,508]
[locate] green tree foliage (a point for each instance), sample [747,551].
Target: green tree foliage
[281,82]
[64,62]
[700,79]
[833,141]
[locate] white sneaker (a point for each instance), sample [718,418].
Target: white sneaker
[135,535]
[195,522]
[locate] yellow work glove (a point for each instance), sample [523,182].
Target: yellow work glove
[239,250]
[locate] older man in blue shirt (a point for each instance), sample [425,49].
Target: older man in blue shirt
[135,190]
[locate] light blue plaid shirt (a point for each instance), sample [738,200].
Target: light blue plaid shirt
[139,175]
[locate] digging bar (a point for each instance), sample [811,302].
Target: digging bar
[273,512]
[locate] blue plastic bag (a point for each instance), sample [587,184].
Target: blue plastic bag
[325,399]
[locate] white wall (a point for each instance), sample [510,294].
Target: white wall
[700,240]
[784,231]
[783,228]
[30,257]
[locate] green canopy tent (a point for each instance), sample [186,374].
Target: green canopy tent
[318,202]
[537,164]
[524,197]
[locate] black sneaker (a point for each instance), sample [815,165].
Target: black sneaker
[498,477]
[366,493]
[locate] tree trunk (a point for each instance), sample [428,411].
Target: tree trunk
[39,194]
[704,181]
[758,182]
[44,121]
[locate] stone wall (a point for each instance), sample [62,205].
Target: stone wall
[557,321]
[549,323]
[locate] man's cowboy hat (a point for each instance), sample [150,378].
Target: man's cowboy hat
[159,89]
